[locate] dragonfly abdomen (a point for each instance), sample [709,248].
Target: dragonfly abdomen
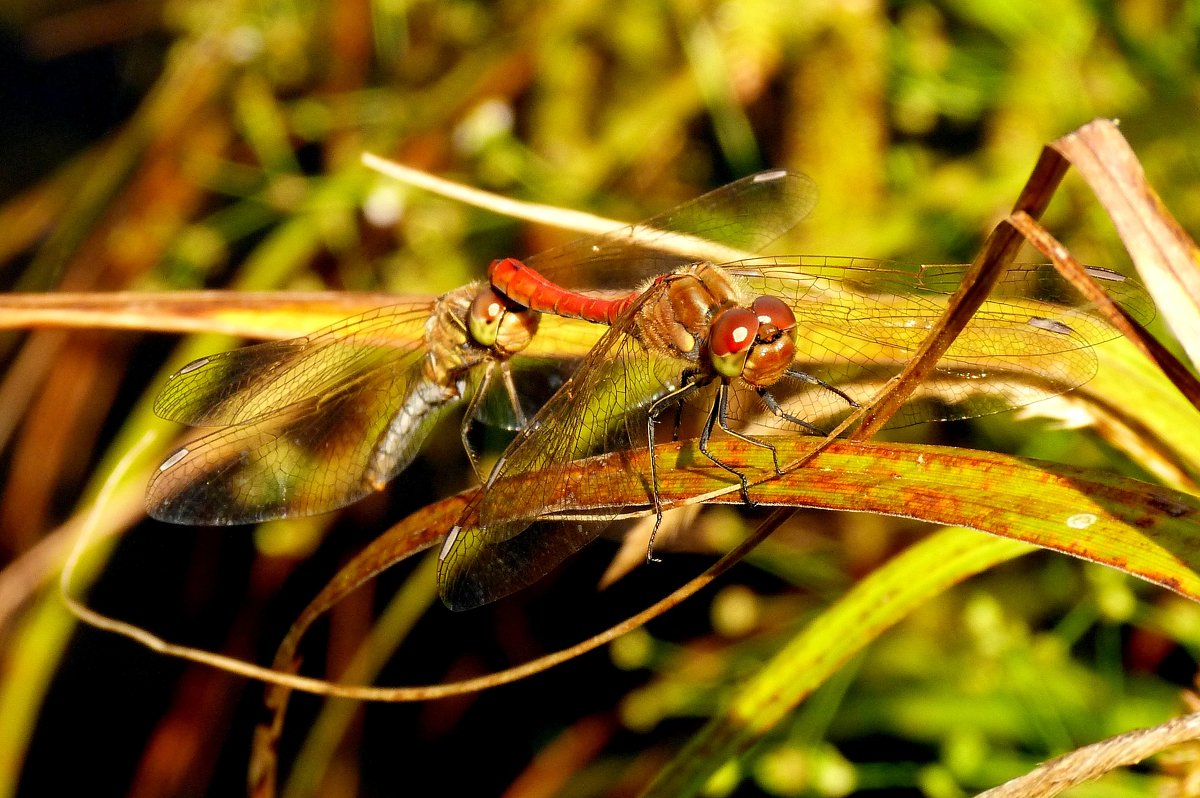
[525,286]
[408,428]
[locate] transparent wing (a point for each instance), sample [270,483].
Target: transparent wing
[602,408]
[736,220]
[314,455]
[531,380]
[860,322]
[491,568]
[243,384]
[309,425]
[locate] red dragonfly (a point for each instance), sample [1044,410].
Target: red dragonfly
[315,423]
[791,343]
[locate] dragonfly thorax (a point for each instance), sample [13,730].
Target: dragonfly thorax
[679,315]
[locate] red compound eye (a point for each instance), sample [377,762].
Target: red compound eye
[731,336]
[733,331]
[772,310]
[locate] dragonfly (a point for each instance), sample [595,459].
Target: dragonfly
[792,343]
[312,424]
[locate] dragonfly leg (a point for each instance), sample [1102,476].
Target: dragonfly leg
[464,429]
[688,386]
[686,379]
[719,414]
[811,380]
[773,405]
[654,533]
[510,388]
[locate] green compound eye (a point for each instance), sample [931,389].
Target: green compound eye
[497,323]
[484,317]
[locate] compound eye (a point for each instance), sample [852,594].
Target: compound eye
[772,310]
[484,316]
[732,334]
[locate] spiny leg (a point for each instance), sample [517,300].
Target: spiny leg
[811,380]
[773,405]
[656,408]
[720,414]
[476,399]
[685,379]
[473,403]
[707,432]
[510,387]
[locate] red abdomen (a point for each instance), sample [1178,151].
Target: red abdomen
[526,287]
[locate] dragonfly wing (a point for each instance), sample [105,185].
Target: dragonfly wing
[311,456]
[1043,282]
[255,381]
[492,569]
[602,408]
[739,219]
[861,321]
[532,381]
[498,547]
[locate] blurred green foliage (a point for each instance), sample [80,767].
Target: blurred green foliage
[188,144]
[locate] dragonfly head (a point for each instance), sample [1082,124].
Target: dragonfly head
[757,343]
[498,323]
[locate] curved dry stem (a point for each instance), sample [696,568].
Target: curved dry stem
[263,760]
[1077,275]
[565,219]
[1093,761]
